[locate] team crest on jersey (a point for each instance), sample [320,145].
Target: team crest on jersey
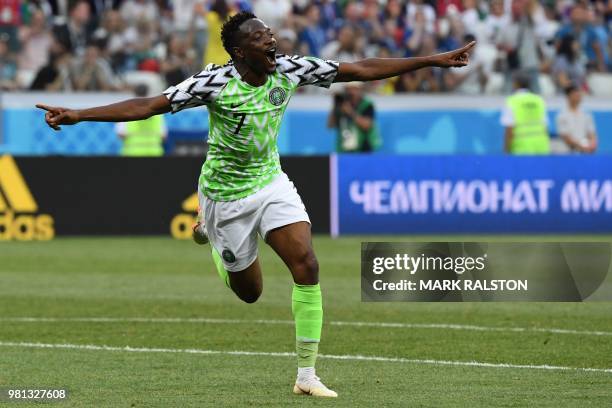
[277,96]
[228,256]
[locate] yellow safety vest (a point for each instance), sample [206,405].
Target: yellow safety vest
[144,137]
[529,133]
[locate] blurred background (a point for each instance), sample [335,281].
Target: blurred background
[559,41]
[82,52]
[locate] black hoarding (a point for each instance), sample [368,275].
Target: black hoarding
[128,196]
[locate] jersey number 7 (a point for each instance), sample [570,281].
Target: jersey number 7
[242,116]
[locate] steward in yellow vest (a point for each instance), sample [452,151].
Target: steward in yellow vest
[143,137]
[525,120]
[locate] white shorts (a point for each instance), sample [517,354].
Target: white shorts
[232,226]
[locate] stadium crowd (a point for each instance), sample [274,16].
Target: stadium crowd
[102,45]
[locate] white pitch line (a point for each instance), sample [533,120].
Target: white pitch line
[442,326]
[284,354]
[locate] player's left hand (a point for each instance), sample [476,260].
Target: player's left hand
[56,116]
[456,58]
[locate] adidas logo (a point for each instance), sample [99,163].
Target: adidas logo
[18,207]
[180,226]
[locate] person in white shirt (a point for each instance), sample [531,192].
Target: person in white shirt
[575,126]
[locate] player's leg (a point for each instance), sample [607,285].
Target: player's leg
[231,229]
[293,244]
[248,283]
[200,237]
[285,226]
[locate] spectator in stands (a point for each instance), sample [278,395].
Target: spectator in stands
[393,26]
[427,12]
[346,48]
[274,12]
[144,56]
[416,33]
[312,36]
[35,39]
[92,73]
[450,33]
[444,7]
[55,76]
[569,66]
[189,20]
[471,19]
[143,137]
[286,42]
[119,40]
[186,14]
[329,15]
[547,26]
[165,25]
[135,11]
[344,30]
[215,52]
[352,15]
[75,34]
[524,119]
[495,22]
[8,66]
[602,37]
[575,126]
[586,35]
[354,118]
[10,19]
[176,64]
[521,45]
[373,28]
[99,8]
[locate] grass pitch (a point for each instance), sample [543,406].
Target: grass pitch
[190,321]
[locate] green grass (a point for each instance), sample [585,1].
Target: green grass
[159,277]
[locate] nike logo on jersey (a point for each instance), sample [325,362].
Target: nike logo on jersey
[235,105]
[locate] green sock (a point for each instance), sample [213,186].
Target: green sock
[307,308]
[219,265]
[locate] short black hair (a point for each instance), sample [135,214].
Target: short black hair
[522,79]
[230,29]
[571,88]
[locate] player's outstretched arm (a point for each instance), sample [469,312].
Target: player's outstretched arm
[125,111]
[371,69]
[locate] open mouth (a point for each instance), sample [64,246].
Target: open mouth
[271,56]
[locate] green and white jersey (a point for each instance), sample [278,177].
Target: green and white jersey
[244,120]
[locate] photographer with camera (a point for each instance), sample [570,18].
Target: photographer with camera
[353,116]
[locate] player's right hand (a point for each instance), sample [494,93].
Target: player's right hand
[57,116]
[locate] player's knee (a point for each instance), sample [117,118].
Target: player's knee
[250,295]
[306,269]
[250,298]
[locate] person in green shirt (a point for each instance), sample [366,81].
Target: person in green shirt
[354,117]
[242,188]
[525,120]
[142,137]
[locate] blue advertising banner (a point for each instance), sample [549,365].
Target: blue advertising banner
[303,132]
[471,194]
